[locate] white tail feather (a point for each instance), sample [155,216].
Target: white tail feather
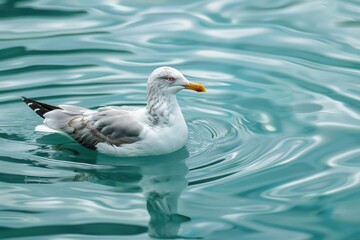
[44,128]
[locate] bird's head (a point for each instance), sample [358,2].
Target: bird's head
[168,80]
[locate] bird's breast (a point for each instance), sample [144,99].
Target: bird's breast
[173,137]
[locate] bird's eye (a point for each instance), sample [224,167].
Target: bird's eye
[170,78]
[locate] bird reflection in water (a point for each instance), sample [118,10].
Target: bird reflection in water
[161,179]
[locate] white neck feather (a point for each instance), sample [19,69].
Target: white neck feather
[160,105]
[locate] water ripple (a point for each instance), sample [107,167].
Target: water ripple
[273,144]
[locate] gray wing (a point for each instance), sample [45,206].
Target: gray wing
[115,126]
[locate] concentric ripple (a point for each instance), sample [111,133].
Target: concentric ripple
[273,149]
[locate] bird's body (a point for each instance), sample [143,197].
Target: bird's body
[159,128]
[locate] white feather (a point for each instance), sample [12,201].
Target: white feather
[44,128]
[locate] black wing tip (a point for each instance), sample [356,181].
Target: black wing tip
[39,107]
[27,100]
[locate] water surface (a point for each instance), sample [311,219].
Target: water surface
[273,149]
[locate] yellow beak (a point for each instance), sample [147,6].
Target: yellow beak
[196,87]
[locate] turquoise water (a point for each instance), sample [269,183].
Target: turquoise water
[273,149]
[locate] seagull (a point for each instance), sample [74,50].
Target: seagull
[125,131]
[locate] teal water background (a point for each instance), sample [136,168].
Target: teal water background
[274,145]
